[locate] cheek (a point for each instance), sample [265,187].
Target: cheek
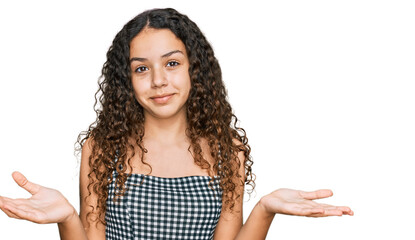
[185,82]
[189,88]
[138,88]
[181,82]
[185,89]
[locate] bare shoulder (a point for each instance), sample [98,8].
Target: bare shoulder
[87,147]
[230,222]
[85,167]
[88,199]
[241,157]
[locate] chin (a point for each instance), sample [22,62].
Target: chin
[168,113]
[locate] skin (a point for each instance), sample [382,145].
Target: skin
[161,85]
[161,82]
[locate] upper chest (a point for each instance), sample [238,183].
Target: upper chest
[170,160]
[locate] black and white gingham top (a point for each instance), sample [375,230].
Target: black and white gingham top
[164,208]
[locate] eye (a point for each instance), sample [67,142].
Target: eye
[172,64]
[141,69]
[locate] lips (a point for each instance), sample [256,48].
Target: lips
[162,99]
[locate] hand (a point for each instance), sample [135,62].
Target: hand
[294,202]
[45,206]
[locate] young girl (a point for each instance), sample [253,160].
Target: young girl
[165,158]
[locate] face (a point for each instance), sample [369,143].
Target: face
[159,73]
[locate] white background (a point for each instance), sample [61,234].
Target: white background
[324,89]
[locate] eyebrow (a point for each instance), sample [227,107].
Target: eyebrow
[162,56]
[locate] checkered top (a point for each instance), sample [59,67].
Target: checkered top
[164,208]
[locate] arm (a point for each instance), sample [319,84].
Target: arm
[257,224]
[283,201]
[49,206]
[256,227]
[290,202]
[230,225]
[46,205]
[95,230]
[72,228]
[80,227]
[230,222]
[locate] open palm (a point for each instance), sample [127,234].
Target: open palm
[45,206]
[300,203]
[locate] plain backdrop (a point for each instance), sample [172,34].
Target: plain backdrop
[324,89]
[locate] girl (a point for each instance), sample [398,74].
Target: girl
[165,158]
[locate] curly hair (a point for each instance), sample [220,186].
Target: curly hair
[120,117]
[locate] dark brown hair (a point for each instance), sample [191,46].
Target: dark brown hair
[120,117]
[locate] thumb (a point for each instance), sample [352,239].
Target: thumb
[22,181]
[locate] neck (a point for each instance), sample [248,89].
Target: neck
[168,130]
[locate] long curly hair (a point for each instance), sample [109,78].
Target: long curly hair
[120,117]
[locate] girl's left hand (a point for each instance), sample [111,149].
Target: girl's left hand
[295,202]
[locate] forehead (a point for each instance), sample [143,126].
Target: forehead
[155,42]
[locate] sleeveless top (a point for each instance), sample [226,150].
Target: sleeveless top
[164,208]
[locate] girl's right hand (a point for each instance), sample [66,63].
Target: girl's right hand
[45,206]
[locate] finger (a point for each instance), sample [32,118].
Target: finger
[327,213]
[6,209]
[14,201]
[344,209]
[322,193]
[7,203]
[2,206]
[308,211]
[20,213]
[333,212]
[18,208]
[22,181]
[9,214]
[327,206]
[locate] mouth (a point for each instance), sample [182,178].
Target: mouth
[162,99]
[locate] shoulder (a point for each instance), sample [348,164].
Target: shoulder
[87,147]
[230,221]
[87,150]
[88,198]
[241,156]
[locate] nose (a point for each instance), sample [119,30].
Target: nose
[159,78]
